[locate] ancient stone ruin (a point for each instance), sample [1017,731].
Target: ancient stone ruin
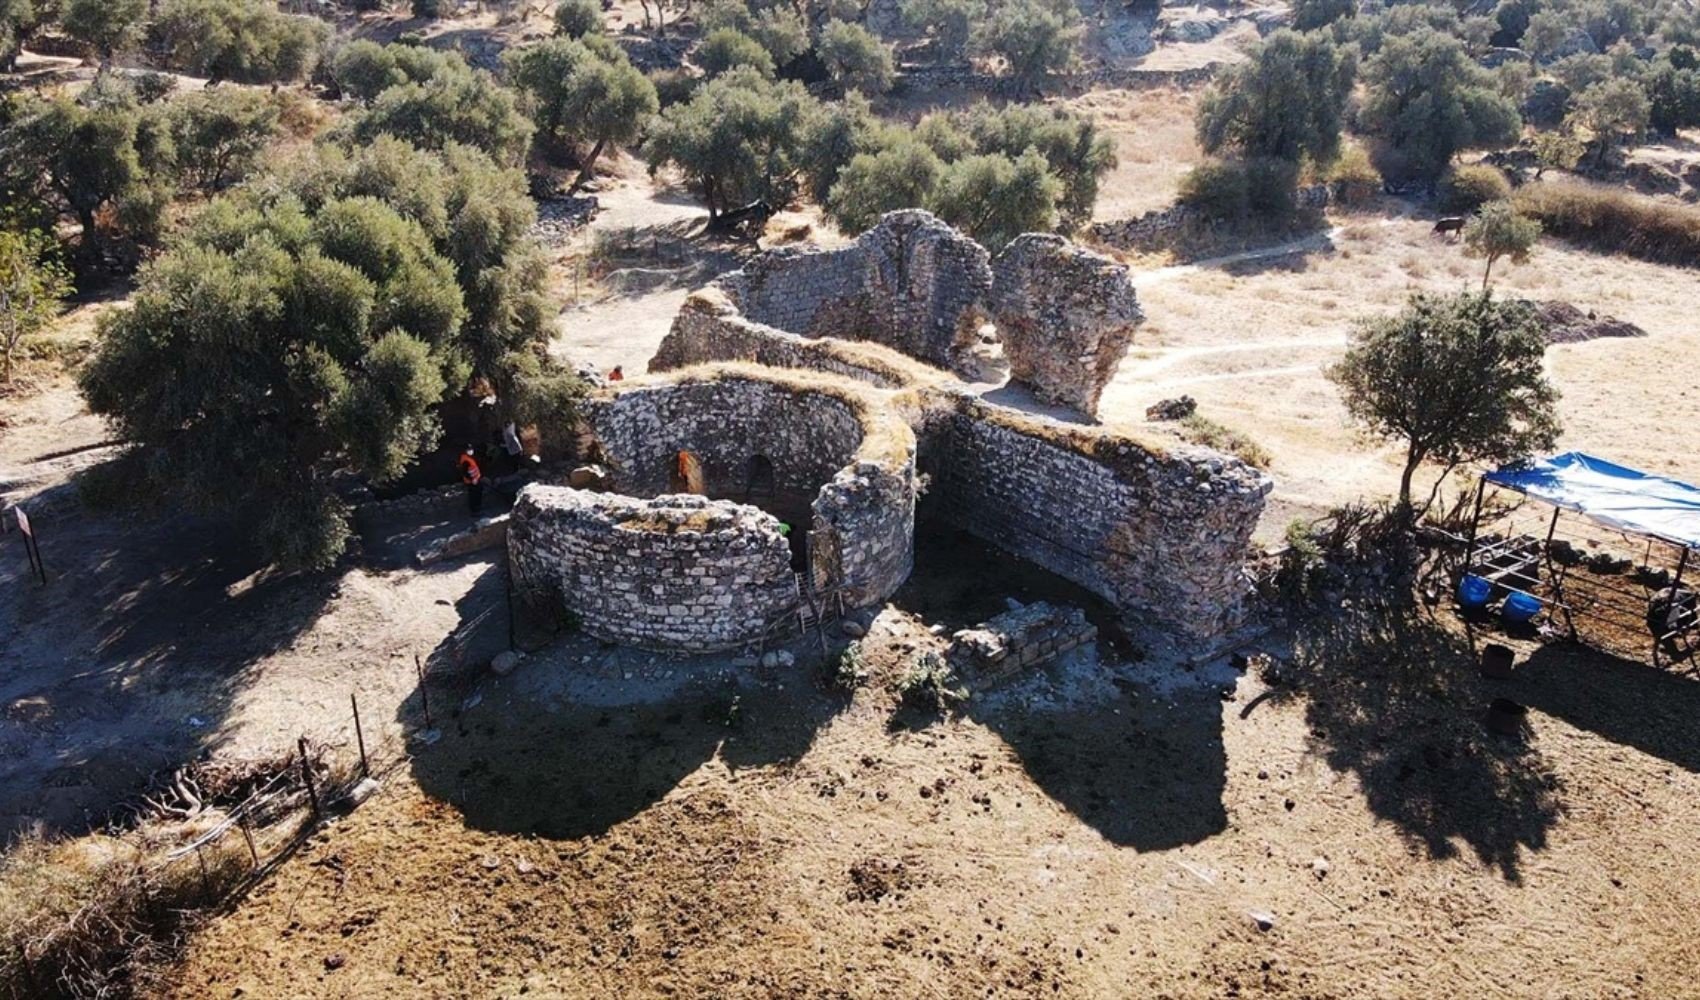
[807,445]
[1065,316]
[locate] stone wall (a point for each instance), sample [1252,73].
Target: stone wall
[673,573]
[725,422]
[911,283]
[1152,230]
[840,466]
[1020,638]
[1065,315]
[709,329]
[965,76]
[1161,533]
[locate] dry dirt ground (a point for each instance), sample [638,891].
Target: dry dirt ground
[1105,828]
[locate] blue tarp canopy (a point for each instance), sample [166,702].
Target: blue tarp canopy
[1632,501]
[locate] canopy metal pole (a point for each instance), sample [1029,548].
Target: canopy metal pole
[1475,521]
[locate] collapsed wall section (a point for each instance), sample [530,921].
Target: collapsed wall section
[1162,534]
[911,283]
[673,573]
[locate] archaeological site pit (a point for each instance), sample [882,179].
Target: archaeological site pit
[804,410]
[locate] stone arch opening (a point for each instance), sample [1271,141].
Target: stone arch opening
[685,474]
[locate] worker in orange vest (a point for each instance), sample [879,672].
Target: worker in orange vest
[473,477]
[618,374]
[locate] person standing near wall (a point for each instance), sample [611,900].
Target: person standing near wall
[473,477]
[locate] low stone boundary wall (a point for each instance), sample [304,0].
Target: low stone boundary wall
[1020,638]
[673,573]
[1118,77]
[1149,231]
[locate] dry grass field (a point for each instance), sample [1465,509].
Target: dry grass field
[1250,341]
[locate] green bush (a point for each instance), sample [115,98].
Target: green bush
[1202,430]
[1469,188]
[673,86]
[248,41]
[725,49]
[578,18]
[1241,191]
[850,670]
[929,685]
[1354,178]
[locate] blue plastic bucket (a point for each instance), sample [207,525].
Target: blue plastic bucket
[1473,591]
[1520,608]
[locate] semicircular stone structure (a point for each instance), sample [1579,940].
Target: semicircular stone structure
[659,568]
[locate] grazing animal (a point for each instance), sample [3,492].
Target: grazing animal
[1451,225]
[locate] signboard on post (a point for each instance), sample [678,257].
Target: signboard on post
[32,549]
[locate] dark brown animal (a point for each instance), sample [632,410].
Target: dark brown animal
[1452,225]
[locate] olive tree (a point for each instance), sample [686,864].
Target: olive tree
[1033,37]
[33,281]
[994,198]
[311,325]
[110,27]
[1457,378]
[1288,101]
[781,30]
[854,59]
[220,133]
[1609,113]
[949,23]
[1500,231]
[725,49]
[583,94]
[1076,151]
[1426,102]
[578,18]
[456,104]
[738,139]
[903,175]
[248,41]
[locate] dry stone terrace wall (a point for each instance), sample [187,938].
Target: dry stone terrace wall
[673,573]
[911,283]
[1065,315]
[1163,535]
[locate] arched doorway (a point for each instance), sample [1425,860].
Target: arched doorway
[758,479]
[685,476]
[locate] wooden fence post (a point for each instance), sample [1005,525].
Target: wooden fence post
[307,776]
[359,737]
[424,696]
[248,835]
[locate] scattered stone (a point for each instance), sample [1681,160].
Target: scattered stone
[335,962]
[472,701]
[364,789]
[1262,918]
[505,662]
[559,219]
[1172,409]
[1320,868]
[852,629]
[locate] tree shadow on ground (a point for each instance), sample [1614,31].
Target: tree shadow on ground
[1397,698]
[1627,702]
[129,661]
